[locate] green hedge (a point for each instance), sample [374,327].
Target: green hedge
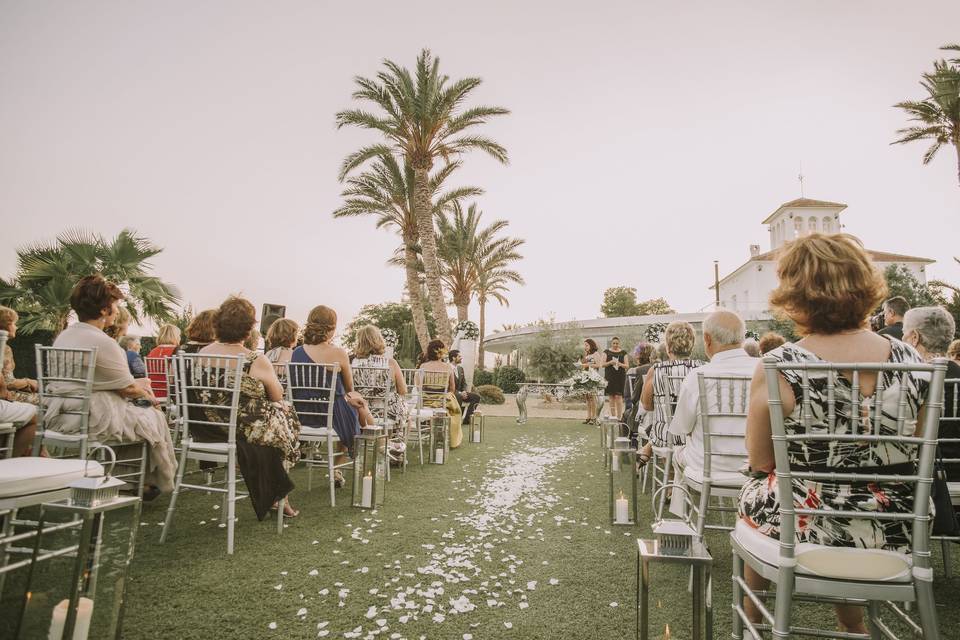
[490,394]
[509,378]
[482,377]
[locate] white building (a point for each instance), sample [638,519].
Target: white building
[747,289]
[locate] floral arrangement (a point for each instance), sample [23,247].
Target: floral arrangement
[654,333]
[467,330]
[586,382]
[390,337]
[753,335]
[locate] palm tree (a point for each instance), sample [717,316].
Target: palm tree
[938,114]
[423,121]
[386,190]
[47,271]
[493,284]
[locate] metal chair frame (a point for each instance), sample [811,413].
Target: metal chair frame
[74,369]
[320,380]
[951,415]
[7,429]
[375,385]
[434,387]
[664,453]
[791,585]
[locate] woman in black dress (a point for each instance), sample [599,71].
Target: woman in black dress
[615,371]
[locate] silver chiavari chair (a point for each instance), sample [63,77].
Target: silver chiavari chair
[7,429]
[874,578]
[950,442]
[662,458]
[375,384]
[433,387]
[312,390]
[280,368]
[65,380]
[157,374]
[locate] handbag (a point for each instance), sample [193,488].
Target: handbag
[944,518]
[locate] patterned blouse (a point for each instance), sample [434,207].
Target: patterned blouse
[662,372]
[759,499]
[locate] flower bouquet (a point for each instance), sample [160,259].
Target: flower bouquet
[654,332]
[467,330]
[390,338]
[585,383]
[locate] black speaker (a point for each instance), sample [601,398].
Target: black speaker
[271,313]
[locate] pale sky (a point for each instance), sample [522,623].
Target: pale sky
[646,139]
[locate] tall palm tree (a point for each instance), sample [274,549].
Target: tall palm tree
[937,115]
[492,285]
[386,190]
[47,271]
[422,119]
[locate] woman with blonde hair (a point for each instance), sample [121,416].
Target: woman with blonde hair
[168,342]
[829,286]
[18,389]
[369,354]
[281,339]
[679,339]
[348,406]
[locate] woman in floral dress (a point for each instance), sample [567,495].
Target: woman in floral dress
[18,389]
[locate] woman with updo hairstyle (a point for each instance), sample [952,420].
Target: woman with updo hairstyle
[281,339]
[268,431]
[200,331]
[121,409]
[679,338]
[349,407]
[434,360]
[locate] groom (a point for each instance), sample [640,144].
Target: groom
[464,397]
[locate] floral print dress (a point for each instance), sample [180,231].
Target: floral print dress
[662,372]
[759,502]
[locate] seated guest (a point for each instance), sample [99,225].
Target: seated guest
[348,405]
[464,397]
[723,333]
[752,347]
[281,339]
[168,341]
[200,332]
[252,343]
[893,312]
[642,355]
[131,345]
[828,287]
[929,330]
[268,431]
[679,339]
[23,417]
[369,353]
[18,389]
[119,327]
[953,351]
[113,415]
[434,361]
[770,341]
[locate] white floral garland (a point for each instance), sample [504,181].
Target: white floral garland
[390,337]
[654,333]
[467,330]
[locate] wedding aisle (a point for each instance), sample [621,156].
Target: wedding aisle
[509,540]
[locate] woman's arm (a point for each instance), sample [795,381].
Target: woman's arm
[759,440]
[398,382]
[452,386]
[646,396]
[262,369]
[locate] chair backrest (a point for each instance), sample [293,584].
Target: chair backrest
[631,380]
[157,371]
[209,391]
[668,403]
[312,389]
[66,375]
[723,397]
[856,421]
[433,388]
[949,436]
[280,368]
[374,382]
[410,378]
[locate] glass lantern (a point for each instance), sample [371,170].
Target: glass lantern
[623,483]
[476,427]
[369,468]
[608,433]
[77,577]
[439,438]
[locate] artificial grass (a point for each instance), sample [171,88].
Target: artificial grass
[189,588]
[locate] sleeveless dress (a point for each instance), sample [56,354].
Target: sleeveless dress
[760,501]
[345,420]
[658,432]
[616,378]
[363,378]
[267,439]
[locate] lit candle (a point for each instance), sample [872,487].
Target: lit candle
[59,620]
[439,455]
[614,461]
[366,496]
[476,434]
[621,512]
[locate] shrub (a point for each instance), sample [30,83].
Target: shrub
[490,394]
[509,378]
[483,377]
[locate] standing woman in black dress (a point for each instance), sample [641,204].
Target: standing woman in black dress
[615,371]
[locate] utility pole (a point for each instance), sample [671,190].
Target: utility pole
[716,282]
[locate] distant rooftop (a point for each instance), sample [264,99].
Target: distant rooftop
[805,203]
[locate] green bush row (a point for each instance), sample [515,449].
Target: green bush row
[506,377]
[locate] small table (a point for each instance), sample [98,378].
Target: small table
[700,561]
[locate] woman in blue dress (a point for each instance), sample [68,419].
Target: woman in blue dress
[349,408]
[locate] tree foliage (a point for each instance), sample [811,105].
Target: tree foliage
[553,354]
[389,315]
[619,302]
[902,282]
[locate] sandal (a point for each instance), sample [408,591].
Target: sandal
[288,511]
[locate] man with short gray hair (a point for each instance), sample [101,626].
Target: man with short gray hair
[723,335]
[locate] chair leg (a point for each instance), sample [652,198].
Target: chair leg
[783,602]
[310,459]
[144,458]
[5,531]
[873,616]
[331,473]
[231,496]
[737,623]
[176,491]
[280,507]
[926,607]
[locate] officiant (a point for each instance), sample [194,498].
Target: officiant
[467,399]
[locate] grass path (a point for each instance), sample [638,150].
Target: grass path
[508,540]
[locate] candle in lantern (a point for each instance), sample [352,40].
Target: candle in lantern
[366,495]
[614,460]
[621,512]
[476,434]
[59,620]
[439,455]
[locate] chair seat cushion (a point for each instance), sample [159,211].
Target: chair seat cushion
[316,432]
[720,478]
[28,475]
[954,489]
[842,563]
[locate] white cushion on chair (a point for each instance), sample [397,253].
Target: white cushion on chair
[720,478]
[842,563]
[28,475]
[954,489]
[316,432]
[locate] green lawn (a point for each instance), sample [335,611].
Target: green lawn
[471,535]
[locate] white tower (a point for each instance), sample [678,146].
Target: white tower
[800,217]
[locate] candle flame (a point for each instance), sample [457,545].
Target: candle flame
[29,595]
[621,494]
[369,474]
[666,633]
